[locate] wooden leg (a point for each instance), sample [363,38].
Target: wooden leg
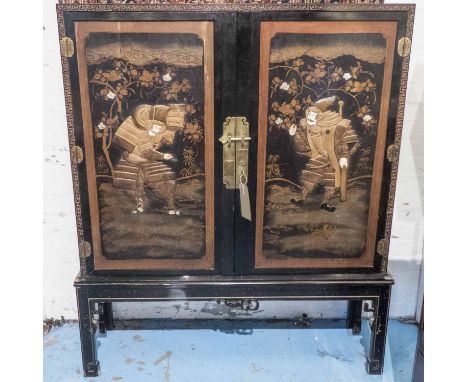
[109,316]
[106,319]
[87,335]
[375,361]
[354,317]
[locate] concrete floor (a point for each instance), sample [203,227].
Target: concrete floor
[191,351]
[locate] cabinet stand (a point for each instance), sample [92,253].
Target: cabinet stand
[95,295]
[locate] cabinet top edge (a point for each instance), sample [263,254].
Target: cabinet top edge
[240,7]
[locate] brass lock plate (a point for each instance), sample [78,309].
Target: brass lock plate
[235,142]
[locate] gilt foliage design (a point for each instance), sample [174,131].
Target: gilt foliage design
[117,87]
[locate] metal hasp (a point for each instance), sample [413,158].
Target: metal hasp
[235,142]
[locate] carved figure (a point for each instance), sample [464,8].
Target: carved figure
[324,136]
[142,165]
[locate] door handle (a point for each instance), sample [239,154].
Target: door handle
[235,140]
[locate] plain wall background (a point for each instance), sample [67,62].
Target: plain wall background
[60,241]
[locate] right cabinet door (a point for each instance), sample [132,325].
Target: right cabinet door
[329,114]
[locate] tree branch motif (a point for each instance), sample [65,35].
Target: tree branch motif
[115,84]
[299,83]
[307,83]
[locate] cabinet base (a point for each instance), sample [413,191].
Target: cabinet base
[95,295]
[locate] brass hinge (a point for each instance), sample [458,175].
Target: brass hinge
[76,155]
[382,247]
[392,153]
[67,48]
[84,248]
[404,46]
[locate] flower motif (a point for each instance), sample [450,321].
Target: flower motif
[369,85]
[286,109]
[101,126]
[193,132]
[173,90]
[348,85]
[129,70]
[284,86]
[296,105]
[308,101]
[170,74]
[316,74]
[279,122]
[112,75]
[121,91]
[99,76]
[356,70]
[297,63]
[185,85]
[368,121]
[276,121]
[289,109]
[346,76]
[276,82]
[293,87]
[190,109]
[147,78]
[110,94]
[362,111]
[132,72]
[337,74]
[319,70]
[354,86]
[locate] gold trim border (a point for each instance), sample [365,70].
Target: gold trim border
[398,134]
[248,7]
[71,137]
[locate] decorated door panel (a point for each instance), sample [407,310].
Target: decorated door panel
[147,93]
[327,99]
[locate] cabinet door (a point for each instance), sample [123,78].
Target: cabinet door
[327,95]
[147,103]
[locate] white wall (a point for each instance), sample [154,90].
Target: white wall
[60,243]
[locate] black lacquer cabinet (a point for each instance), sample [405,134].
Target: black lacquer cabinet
[234,152]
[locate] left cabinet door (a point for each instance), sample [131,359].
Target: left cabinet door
[145,103]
